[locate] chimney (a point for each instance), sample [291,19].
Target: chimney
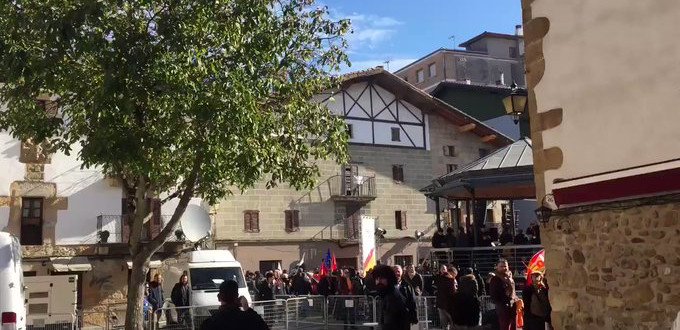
[519,31]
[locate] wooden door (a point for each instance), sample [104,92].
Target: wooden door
[31,221]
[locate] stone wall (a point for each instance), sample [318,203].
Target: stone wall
[614,268]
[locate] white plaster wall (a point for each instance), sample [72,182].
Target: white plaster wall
[88,193]
[612,66]
[361,131]
[383,135]
[10,167]
[4,217]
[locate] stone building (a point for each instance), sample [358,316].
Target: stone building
[476,78]
[606,158]
[61,213]
[400,139]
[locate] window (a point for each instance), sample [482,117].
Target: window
[210,278]
[433,69]
[292,220]
[267,265]
[350,130]
[398,173]
[451,167]
[420,76]
[400,220]
[483,152]
[512,52]
[251,221]
[396,134]
[450,151]
[31,221]
[403,260]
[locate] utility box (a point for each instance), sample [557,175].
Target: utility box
[51,302]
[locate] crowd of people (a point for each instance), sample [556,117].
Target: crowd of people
[457,296]
[457,293]
[440,239]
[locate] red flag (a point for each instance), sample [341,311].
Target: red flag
[536,265]
[324,271]
[334,265]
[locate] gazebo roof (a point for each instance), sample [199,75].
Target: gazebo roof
[506,173]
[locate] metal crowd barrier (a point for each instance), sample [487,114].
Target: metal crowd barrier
[351,311]
[303,312]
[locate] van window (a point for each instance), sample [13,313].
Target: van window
[211,278]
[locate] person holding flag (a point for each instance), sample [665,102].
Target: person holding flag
[537,307]
[327,284]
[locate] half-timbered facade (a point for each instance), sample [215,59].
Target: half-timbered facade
[400,139]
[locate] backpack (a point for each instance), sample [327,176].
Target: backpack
[410,302]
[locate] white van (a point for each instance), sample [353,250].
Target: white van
[12,306]
[206,269]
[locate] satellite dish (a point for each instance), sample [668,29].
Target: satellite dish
[195,223]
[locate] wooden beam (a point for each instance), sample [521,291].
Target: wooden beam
[467,127]
[489,138]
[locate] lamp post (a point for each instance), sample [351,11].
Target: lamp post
[418,235]
[516,103]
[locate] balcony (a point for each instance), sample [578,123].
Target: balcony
[355,189]
[113,229]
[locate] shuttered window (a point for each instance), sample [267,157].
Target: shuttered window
[450,151]
[292,220]
[398,173]
[251,221]
[151,229]
[400,220]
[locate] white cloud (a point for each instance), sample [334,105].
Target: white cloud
[369,31]
[386,21]
[372,36]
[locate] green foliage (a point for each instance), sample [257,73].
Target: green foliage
[156,89]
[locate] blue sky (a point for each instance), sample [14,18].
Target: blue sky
[403,31]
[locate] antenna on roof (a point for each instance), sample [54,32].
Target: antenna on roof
[453,40]
[387,63]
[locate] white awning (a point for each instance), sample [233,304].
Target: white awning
[154,263]
[71,264]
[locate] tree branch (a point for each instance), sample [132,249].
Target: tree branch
[187,194]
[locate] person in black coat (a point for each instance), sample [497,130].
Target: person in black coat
[536,304]
[181,298]
[301,284]
[394,314]
[265,289]
[230,315]
[414,279]
[156,294]
[328,286]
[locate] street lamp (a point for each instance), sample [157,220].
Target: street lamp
[544,211]
[543,214]
[516,103]
[380,233]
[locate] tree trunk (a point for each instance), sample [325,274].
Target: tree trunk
[134,316]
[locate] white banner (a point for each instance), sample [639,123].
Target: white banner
[367,243]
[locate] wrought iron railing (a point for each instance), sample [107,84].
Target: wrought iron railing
[355,187]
